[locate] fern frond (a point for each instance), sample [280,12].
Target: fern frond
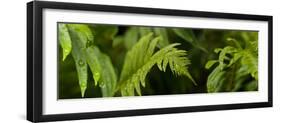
[250,61]
[80,35]
[142,57]
[103,70]
[65,40]
[235,65]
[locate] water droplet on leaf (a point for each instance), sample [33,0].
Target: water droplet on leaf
[97,76]
[81,63]
[66,51]
[83,85]
[102,85]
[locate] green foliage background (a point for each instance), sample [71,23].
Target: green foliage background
[98,60]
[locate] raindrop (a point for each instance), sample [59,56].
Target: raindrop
[97,74]
[102,85]
[81,63]
[66,51]
[83,85]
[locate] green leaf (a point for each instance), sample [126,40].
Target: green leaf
[241,78]
[234,43]
[221,80]
[217,50]
[142,57]
[225,56]
[103,71]
[145,30]
[185,34]
[250,61]
[92,56]
[164,41]
[81,36]
[215,79]
[65,40]
[210,64]
[188,36]
[235,67]
[254,46]
[131,37]
[104,32]
[86,53]
[252,86]
[84,32]
[118,40]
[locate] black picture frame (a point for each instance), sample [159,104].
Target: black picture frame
[34,60]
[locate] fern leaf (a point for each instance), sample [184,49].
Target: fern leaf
[65,40]
[210,63]
[250,61]
[103,70]
[252,86]
[235,66]
[223,76]
[234,43]
[177,60]
[80,36]
[118,40]
[216,78]
[142,57]
[92,56]
[225,55]
[85,53]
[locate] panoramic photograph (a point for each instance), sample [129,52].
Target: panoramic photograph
[102,60]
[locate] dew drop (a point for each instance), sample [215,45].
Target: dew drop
[97,75]
[102,85]
[83,86]
[66,51]
[81,63]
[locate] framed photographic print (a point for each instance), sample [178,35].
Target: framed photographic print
[93,61]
